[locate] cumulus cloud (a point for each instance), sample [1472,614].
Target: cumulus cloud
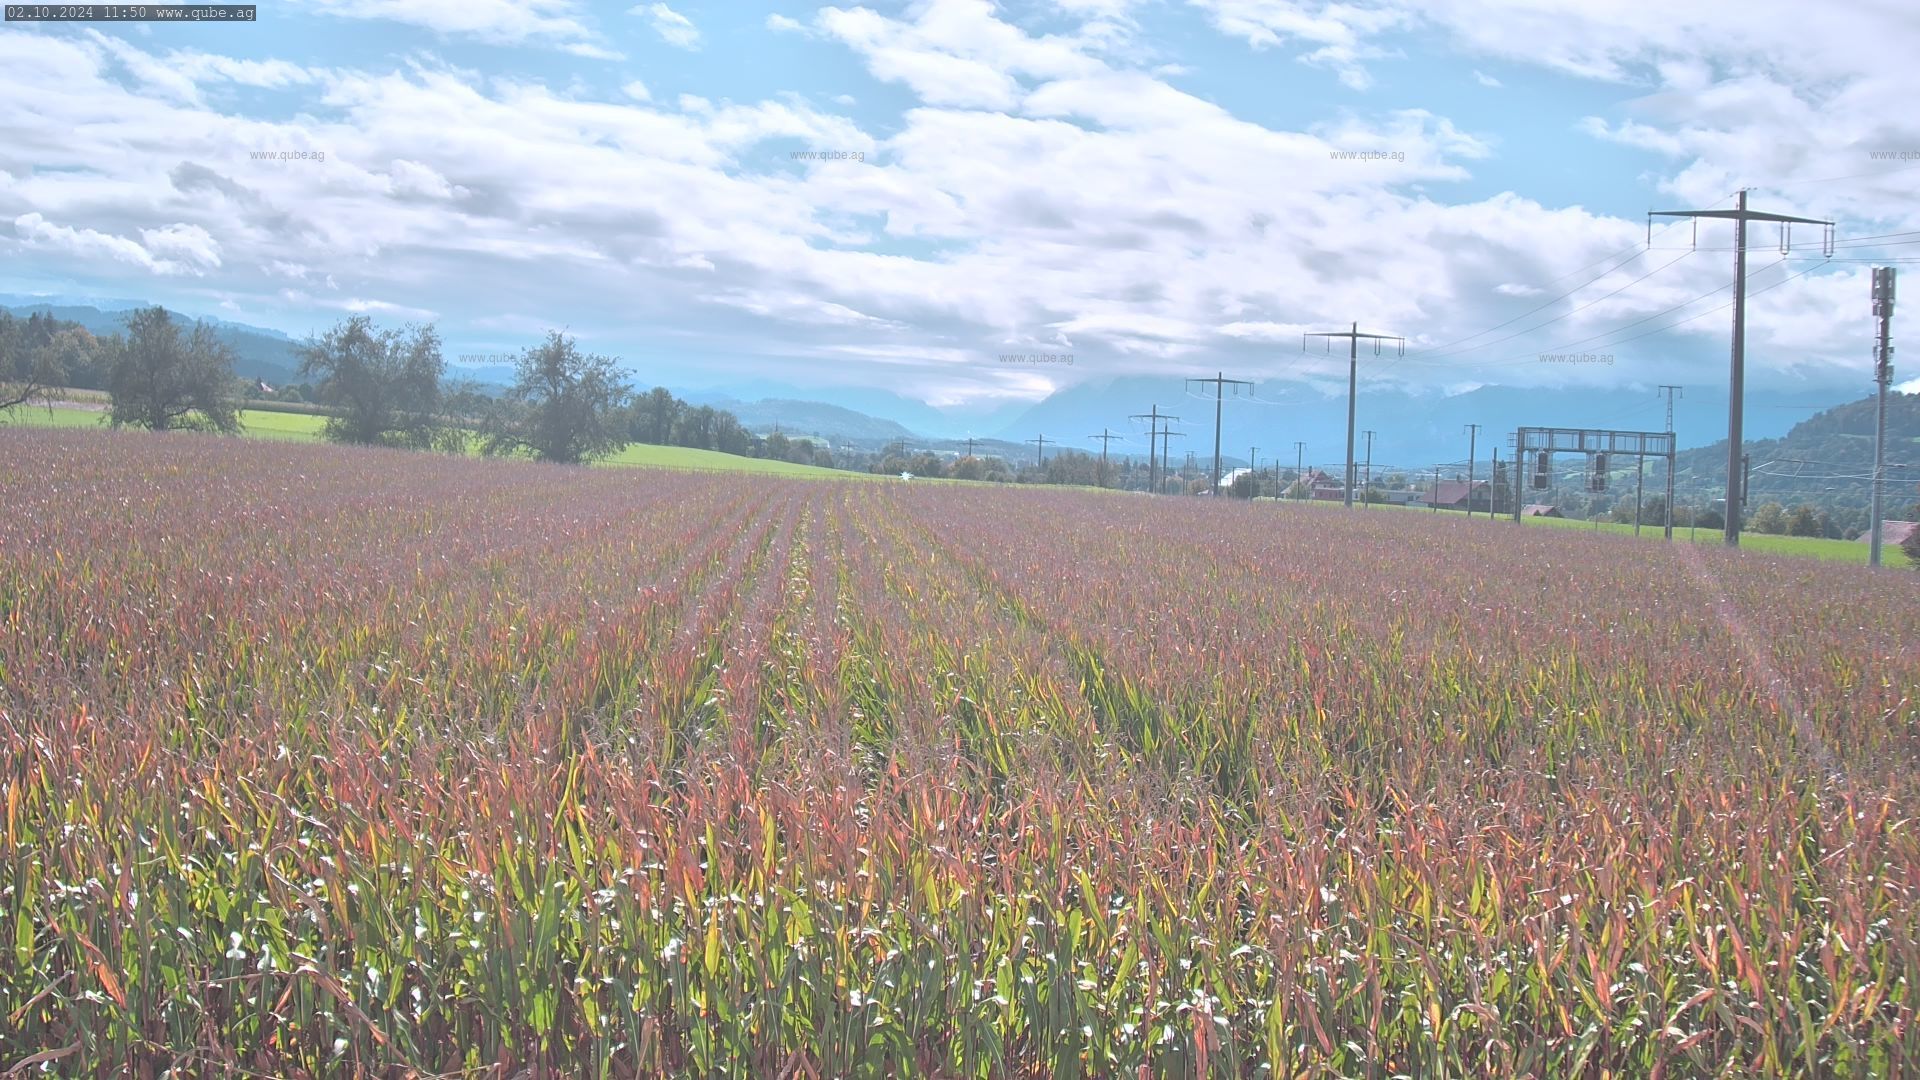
[555,23]
[674,28]
[1042,188]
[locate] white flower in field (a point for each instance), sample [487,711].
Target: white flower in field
[339,1047]
[235,952]
[672,950]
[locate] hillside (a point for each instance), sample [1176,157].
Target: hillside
[1825,461]
[258,353]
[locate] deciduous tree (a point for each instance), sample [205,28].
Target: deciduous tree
[161,378]
[383,386]
[564,406]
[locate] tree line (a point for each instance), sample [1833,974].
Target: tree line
[376,387]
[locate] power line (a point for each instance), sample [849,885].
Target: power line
[1220,383]
[1736,380]
[1105,437]
[1353,336]
[1039,451]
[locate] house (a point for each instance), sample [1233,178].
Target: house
[1892,533]
[1540,510]
[1459,495]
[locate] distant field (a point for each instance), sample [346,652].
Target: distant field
[321,761]
[1846,551]
[302,427]
[1843,551]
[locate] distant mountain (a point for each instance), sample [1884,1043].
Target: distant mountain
[1414,431]
[912,414]
[795,417]
[258,353]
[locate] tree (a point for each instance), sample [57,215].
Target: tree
[1802,522]
[1911,546]
[160,378]
[1770,518]
[1244,486]
[35,359]
[653,416]
[564,406]
[382,385]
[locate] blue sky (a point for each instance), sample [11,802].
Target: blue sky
[1151,186]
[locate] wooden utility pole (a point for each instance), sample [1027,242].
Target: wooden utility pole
[1105,437]
[1153,418]
[1473,447]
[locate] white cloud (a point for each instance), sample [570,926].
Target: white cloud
[1486,80]
[189,243]
[785,24]
[505,22]
[90,245]
[1100,202]
[674,28]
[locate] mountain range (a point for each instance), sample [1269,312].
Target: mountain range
[1414,431]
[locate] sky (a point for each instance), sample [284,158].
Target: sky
[975,204]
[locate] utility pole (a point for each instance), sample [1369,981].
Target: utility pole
[1473,443]
[1167,436]
[1493,488]
[1673,453]
[1883,374]
[1253,469]
[1299,459]
[1737,375]
[1153,419]
[1220,383]
[969,446]
[1039,451]
[1353,337]
[1365,499]
[1104,437]
[1639,488]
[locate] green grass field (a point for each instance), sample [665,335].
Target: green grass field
[1841,551]
[1846,551]
[301,427]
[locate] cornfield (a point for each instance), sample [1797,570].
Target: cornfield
[325,762]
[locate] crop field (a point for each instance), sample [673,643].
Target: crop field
[329,762]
